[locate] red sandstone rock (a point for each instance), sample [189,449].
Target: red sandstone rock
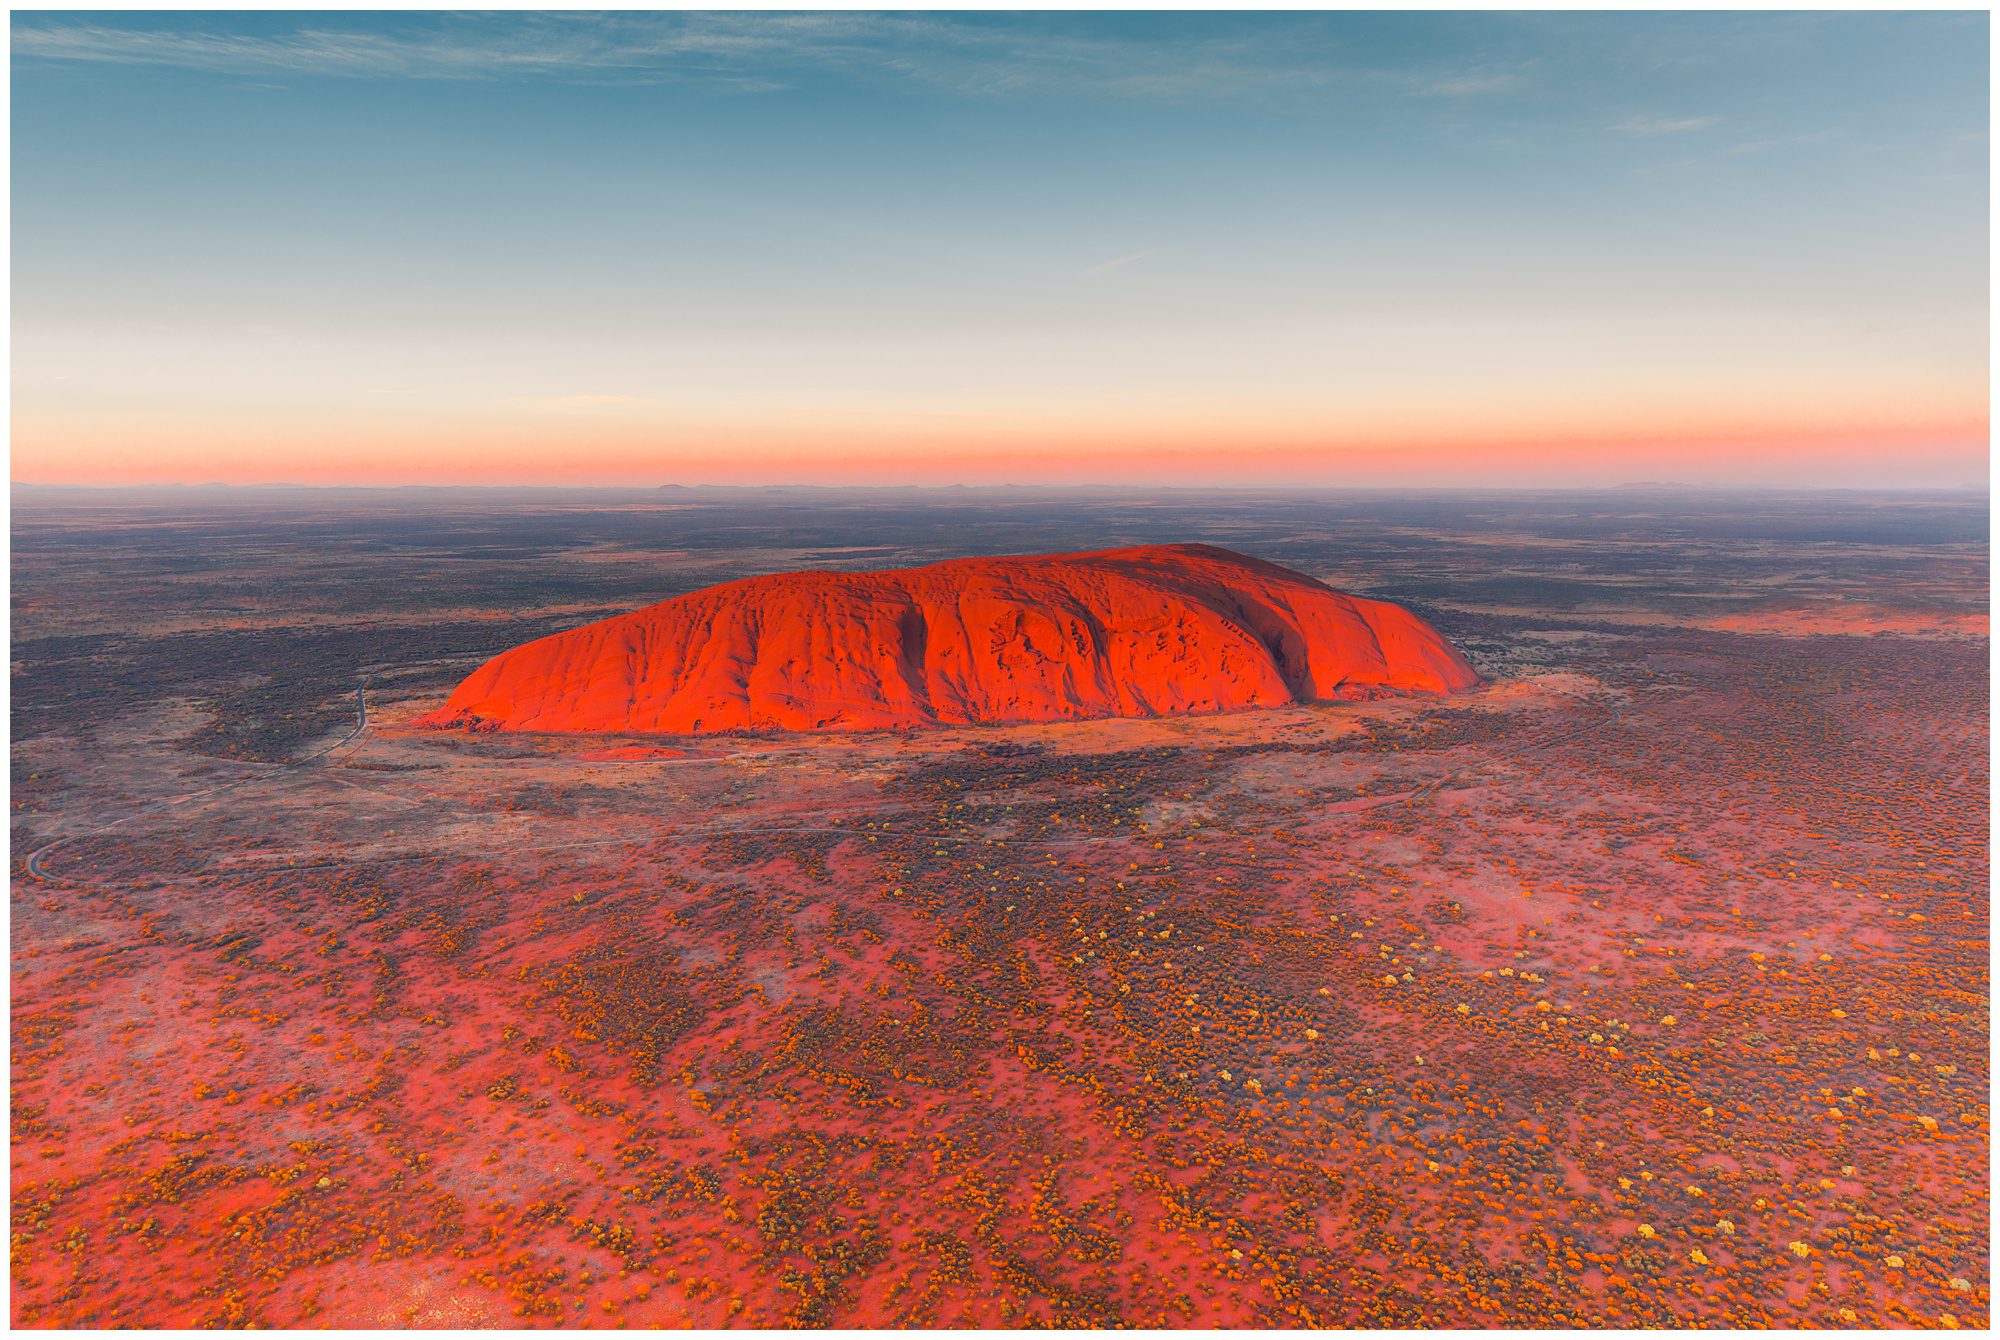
[1120,632]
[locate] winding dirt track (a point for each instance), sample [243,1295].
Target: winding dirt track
[36,866]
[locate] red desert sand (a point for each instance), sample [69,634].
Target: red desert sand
[1143,631]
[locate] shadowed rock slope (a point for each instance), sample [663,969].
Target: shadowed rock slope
[1120,632]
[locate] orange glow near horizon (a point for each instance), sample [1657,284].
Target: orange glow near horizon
[1949,451]
[1562,402]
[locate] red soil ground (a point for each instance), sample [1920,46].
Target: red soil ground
[1433,1012]
[1646,986]
[1157,629]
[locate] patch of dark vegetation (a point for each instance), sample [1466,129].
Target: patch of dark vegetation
[268,692]
[627,1000]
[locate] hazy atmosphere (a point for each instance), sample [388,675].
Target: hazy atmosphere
[1336,248]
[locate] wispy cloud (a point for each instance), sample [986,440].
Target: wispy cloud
[1476,83]
[1116,263]
[454,49]
[760,51]
[1660,125]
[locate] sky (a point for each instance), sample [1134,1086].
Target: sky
[1396,249]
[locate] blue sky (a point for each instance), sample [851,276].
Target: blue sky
[642,247]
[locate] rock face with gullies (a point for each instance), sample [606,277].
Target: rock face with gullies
[1154,630]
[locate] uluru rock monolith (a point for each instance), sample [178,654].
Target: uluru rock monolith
[1153,630]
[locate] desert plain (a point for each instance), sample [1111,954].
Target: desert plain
[1644,985]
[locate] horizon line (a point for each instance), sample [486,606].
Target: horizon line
[1632,486]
